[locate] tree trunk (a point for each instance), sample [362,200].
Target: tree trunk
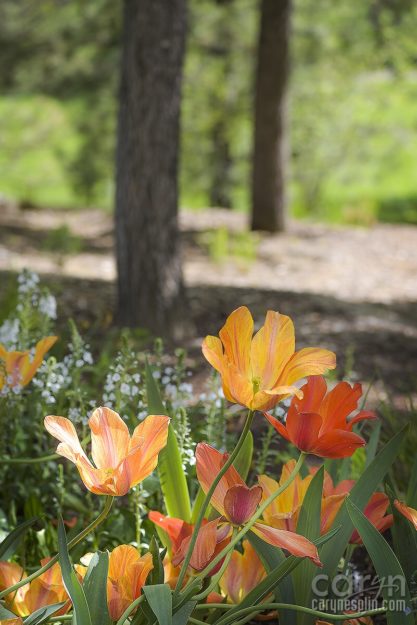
[269,201]
[150,287]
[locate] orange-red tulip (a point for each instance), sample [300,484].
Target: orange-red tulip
[243,573]
[375,509]
[259,371]
[237,503]
[18,368]
[317,424]
[127,574]
[120,461]
[284,511]
[409,513]
[45,590]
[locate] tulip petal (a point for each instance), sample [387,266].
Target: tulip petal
[236,336]
[148,439]
[127,574]
[272,347]
[177,529]
[209,462]
[62,429]
[43,346]
[338,405]
[330,506]
[109,438]
[240,503]
[294,543]
[204,547]
[303,429]
[337,444]
[314,392]
[307,361]
[213,352]
[277,425]
[407,511]
[362,416]
[231,580]
[10,574]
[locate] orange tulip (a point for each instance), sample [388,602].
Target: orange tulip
[317,424]
[409,513]
[258,372]
[45,590]
[374,510]
[243,573]
[176,529]
[284,511]
[18,368]
[237,503]
[12,621]
[127,574]
[120,461]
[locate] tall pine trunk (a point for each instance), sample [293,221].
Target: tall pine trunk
[270,157]
[150,287]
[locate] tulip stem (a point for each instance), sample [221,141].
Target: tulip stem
[92,526]
[245,529]
[29,460]
[225,467]
[251,611]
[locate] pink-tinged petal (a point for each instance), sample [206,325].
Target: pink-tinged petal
[307,361]
[277,425]
[240,503]
[344,487]
[231,581]
[148,439]
[62,429]
[253,569]
[272,347]
[285,391]
[10,574]
[294,543]
[209,462]
[204,547]
[236,336]
[337,444]
[109,438]
[407,511]
[314,392]
[303,429]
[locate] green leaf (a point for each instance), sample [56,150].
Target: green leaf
[156,576]
[372,445]
[404,536]
[5,613]
[243,460]
[95,587]
[72,585]
[309,526]
[43,614]
[412,487]
[359,495]
[159,598]
[273,557]
[395,592]
[181,617]
[171,473]
[9,545]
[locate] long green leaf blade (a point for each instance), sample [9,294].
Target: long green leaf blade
[395,593]
[171,473]
[71,583]
[309,526]
[9,545]
[159,598]
[43,614]
[95,587]
[359,495]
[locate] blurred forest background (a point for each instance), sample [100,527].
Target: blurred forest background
[353,113]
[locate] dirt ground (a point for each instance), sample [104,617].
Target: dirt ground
[350,289]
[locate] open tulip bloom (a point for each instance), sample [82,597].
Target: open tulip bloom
[317,423]
[237,503]
[18,368]
[259,371]
[120,461]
